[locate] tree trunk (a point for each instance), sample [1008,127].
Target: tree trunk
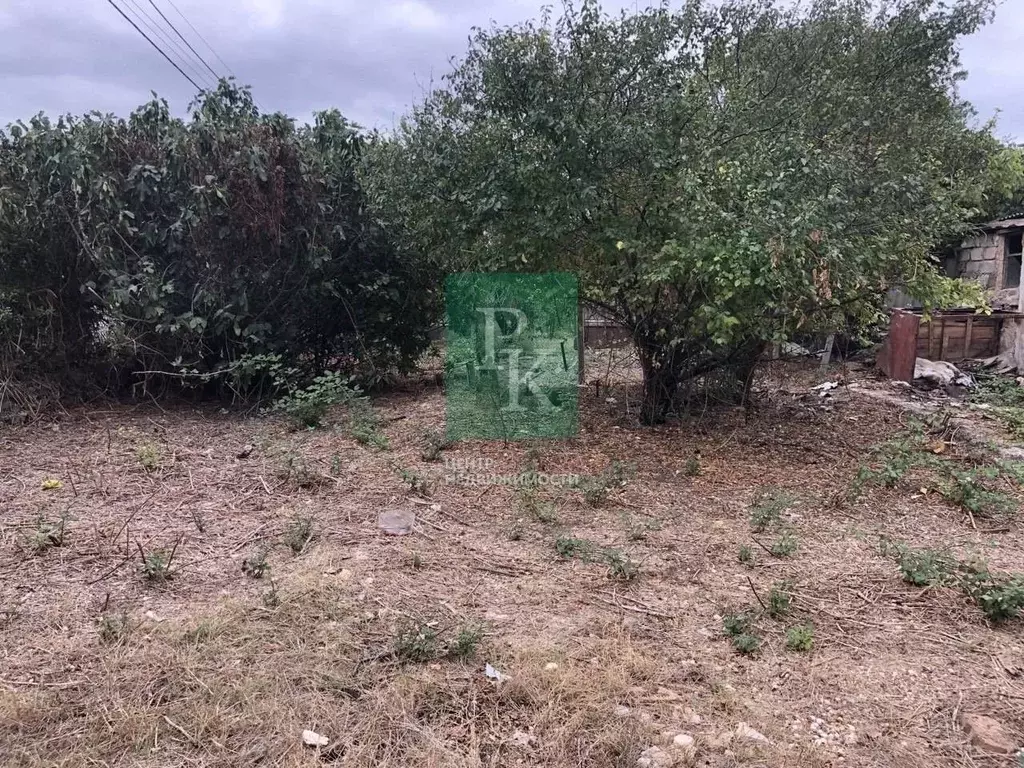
[661,384]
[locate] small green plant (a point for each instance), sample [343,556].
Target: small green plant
[114,628]
[156,564]
[271,598]
[416,641]
[255,565]
[745,555]
[570,546]
[306,407]
[299,532]
[780,599]
[785,545]
[296,469]
[466,642]
[433,443]
[746,643]
[894,459]
[543,510]
[737,623]
[925,567]
[768,506]
[1006,397]
[640,528]
[620,566]
[149,456]
[800,637]
[967,490]
[48,533]
[1000,597]
[692,466]
[417,483]
[364,424]
[596,488]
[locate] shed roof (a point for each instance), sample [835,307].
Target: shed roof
[1009,222]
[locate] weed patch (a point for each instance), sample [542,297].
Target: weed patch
[768,506]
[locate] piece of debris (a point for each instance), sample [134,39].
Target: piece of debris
[988,734]
[52,484]
[244,453]
[939,373]
[522,738]
[152,616]
[493,674]
[551,666]
[825,388]
[791,349]
[397,522]
[621,710]
[314,739]
[746,733]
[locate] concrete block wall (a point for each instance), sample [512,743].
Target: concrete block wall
[981,258]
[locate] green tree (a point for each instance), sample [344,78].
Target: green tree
[719,177]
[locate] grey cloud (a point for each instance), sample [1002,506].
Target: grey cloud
[370,60]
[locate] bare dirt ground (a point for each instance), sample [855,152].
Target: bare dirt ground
[100,666]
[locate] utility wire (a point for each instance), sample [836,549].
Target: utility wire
[169,43]
[216,77]
[222,62]
[158,48]
[207,44]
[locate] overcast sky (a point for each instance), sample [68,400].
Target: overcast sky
[369,58]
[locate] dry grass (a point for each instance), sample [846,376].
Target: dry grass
[214,667]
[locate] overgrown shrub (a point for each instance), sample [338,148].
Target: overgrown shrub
[230,251]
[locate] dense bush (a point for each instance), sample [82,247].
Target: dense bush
[232,250]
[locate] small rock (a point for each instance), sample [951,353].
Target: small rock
[314,739]
[655,757]
[622,710]
[988,734]
[550,666]
[688,716]
[746,733]
[246,450]
[397,522]
[683,741]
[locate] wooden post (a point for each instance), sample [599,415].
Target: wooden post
[967,337]
[826,356]
[581,338]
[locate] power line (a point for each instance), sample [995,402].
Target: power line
[158,48]
[223,63]
[216,77]
[171,44]
[206,43]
